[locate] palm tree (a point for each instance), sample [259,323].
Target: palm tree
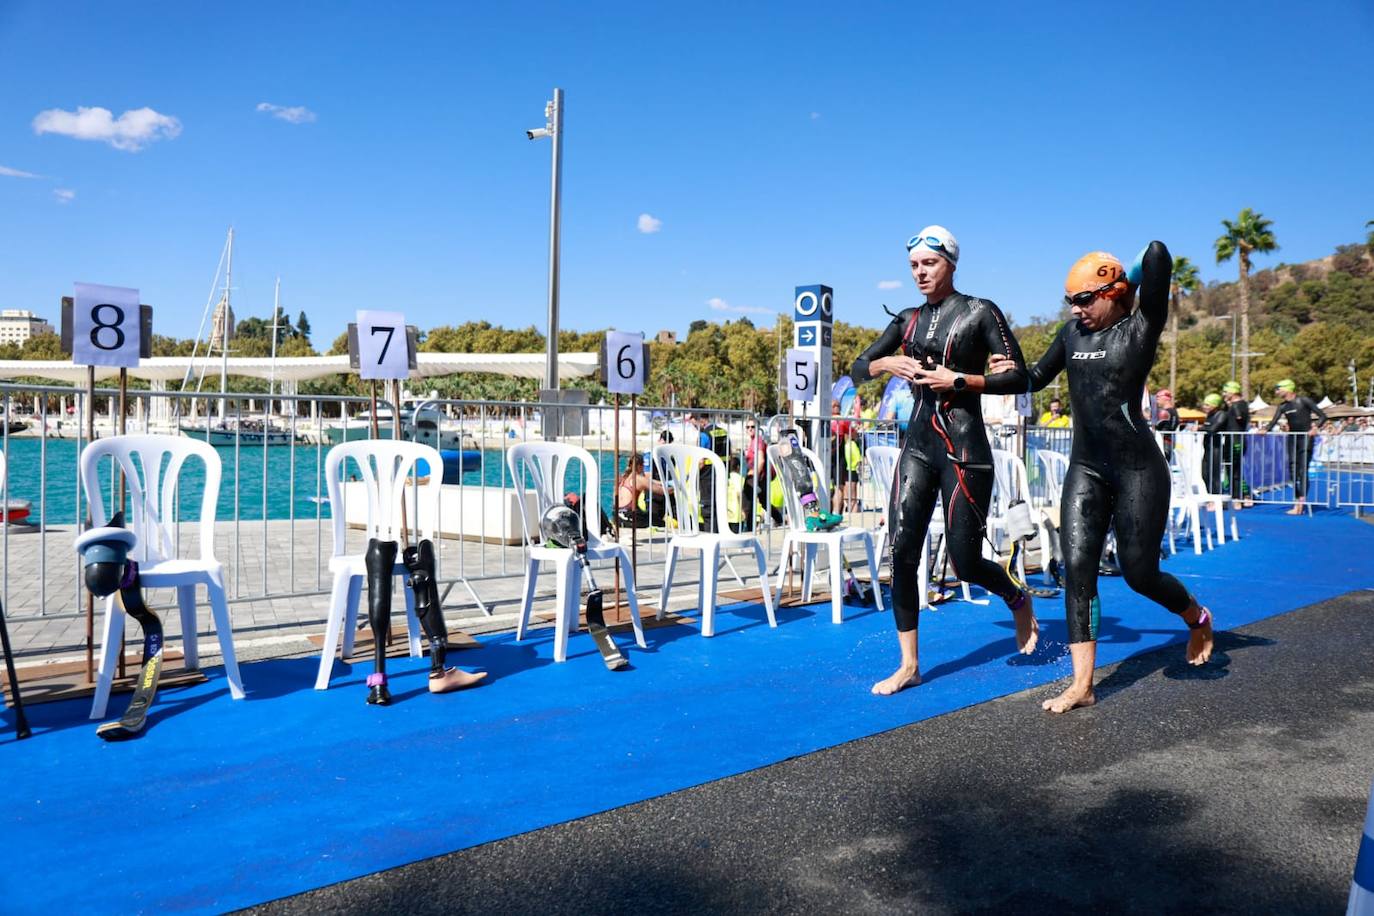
[1369,239]
[1185,282]
[1249,233]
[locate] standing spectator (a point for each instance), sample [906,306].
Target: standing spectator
[1298,412]
[1166,420]
[1239,410]
[755,465]
[1055,418]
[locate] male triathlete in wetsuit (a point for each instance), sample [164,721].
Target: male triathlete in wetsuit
[1117,474]
[1216,451]
[940,347]
[1240,441]
[1299,411]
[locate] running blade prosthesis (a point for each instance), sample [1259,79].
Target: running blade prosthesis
[108,570]
[562,527]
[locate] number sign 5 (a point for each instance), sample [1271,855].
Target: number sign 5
[801,375]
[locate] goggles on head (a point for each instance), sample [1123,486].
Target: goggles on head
[1088,295]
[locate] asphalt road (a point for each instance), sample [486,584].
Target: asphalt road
[1237,788]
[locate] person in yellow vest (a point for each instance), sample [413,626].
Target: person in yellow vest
[1055,418]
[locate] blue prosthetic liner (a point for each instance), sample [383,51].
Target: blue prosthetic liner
[1133,273]
[104,555]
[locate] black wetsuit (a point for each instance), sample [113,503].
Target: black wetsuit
[945,451]
[1169,424]
[1240,444]
[1216,450]
[1117,474]
[1299,412]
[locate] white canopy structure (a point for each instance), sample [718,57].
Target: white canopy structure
[301,368]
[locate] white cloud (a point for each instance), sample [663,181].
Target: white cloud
[64,195]
[649,224]
[131,131]
[720,305]
[7,172]
[889,284]
[294,114]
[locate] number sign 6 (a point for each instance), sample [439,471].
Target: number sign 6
[625,369]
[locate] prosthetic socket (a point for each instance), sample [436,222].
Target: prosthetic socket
[380,561]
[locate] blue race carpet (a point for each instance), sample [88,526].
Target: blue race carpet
[223,804]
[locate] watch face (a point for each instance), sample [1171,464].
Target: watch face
[960,383]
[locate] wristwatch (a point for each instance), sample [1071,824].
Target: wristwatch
[960,382]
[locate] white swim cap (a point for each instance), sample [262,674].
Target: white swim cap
[937,239]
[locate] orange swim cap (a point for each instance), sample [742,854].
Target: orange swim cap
[1094,271]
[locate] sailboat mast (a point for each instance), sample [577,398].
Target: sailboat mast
[224,332]
[272,374]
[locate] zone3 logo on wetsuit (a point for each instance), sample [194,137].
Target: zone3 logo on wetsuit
[1095,354]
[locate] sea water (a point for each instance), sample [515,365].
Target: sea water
[46,475]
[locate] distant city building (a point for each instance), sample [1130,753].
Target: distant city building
[667,337]
[218,326]
[18,325]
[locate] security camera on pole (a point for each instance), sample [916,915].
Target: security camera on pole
[812,317]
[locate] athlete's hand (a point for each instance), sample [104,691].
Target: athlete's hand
[941,378]
[999,363]
[900,366]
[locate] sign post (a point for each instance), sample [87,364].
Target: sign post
[813,318]
[105,326]
[624,369]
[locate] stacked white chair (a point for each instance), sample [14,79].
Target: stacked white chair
[809,542]
[152,497]
[545,465]
[882,461]
[680,466]
[1188,453]
[384,466]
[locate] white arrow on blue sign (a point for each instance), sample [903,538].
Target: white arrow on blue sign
[806,336]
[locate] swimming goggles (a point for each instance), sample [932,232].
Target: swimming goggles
[1088,295]
[931,240]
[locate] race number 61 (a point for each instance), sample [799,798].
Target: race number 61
[105,326]
[800,372]
[624,362]
[382,347]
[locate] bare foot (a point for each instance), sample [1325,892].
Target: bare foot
[900,680]
[1200,639]
[1027,627]
[1296,510]
[454,679]
[1072,698]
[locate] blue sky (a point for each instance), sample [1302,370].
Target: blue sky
[777,144]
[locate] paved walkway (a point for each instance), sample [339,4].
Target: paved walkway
[1236,788]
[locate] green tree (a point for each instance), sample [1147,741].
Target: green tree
[1369,239]
[1249,234]
[303,327]
[1184,282]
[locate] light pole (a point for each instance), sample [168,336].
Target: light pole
[553,127]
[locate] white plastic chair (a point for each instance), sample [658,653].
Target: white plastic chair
[546,465]
[810,541]
[1013,483]
[384,467]
[882,461]
[679,466]
[152,499]
[1188,453]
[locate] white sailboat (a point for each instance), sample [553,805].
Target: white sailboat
[241,431]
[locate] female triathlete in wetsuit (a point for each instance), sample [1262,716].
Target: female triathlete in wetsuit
[1117,473]
[1299,411]
[939,347]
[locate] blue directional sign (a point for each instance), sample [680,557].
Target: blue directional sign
[814,303]
[807,334]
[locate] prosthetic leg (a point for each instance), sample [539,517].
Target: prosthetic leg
[562,527]
[380,561]
[419,562]
[798,470]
